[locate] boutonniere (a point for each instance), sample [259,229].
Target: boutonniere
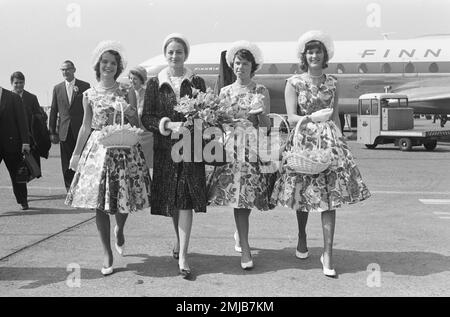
[75,89]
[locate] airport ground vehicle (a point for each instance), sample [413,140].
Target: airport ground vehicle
[386,118]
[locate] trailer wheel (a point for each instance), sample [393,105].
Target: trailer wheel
[371,146]
[430,145]
[405,144]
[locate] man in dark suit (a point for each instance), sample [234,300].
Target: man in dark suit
[68,103]
[36,118]
[14,140]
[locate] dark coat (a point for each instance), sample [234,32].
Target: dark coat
[70,112]
[173,184]
[13,123]
[37,120]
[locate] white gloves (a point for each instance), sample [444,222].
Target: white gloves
[321,115]
[74,162]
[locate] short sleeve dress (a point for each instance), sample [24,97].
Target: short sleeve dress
[114,180]
[341,183]
[240,183]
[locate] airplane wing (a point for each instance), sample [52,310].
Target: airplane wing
[417,94]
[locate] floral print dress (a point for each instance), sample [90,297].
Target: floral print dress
[115,180]
[341,183]
[240,183]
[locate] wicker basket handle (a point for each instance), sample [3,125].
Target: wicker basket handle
[122,115]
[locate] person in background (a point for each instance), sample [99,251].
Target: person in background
[14,140]
[67,102]
[36,117]
[138,79]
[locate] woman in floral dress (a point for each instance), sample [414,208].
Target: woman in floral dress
[240,183]
[113,181]
[311,98]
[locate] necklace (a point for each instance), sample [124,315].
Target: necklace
[171,75]
[107,88]
[315,76]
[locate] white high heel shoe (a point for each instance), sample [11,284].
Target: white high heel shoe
[237,246]
[247,265]
[107,270]
[327,272]
[301,255]
[119,249]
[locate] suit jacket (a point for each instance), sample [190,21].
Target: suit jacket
[13,123]
[70,112]
[37,120]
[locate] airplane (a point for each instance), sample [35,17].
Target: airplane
[419,68]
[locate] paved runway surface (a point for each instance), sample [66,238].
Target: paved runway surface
[394,244]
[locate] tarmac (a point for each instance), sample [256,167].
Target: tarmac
[394,244]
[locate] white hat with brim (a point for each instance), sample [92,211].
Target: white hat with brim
[246,45]
[180,37]
[320,36]
[105,46]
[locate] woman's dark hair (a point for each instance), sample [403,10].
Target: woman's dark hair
[178,40]
[118,61]
[309,46]
[246,54]
[18,76]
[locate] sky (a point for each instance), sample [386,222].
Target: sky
[36,36]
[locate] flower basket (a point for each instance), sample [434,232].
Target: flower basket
[119,135]
[306,161]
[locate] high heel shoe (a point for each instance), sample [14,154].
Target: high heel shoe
[107,270]
[301,255]
[237,246]
[327,272]
[247,265]
[119,249]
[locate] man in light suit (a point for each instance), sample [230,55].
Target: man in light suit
[68,103]
[14,140]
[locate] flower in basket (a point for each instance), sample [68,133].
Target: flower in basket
[119,135]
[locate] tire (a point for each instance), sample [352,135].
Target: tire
[404,144]
[430,145]
[371,146]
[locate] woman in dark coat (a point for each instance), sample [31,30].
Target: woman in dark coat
[178,188]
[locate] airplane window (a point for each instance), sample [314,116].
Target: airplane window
[434,68]
[386,68]
[340,69]
[273,69]
[294,69]
[363,68]
[409,68]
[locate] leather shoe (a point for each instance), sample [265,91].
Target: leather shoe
[25,206]
[327,272]
[247,265]
[107,270]
[186,274]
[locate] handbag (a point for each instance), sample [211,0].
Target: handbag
[22,174]
[33,167]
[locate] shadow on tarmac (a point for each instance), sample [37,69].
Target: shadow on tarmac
[33,211]
[346,262]
[46,197]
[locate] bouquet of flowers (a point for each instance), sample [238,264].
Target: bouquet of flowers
[221,110]
[119,135]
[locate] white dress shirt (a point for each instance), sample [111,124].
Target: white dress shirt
[69,89]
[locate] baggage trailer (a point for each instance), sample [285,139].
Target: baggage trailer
[385,118]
